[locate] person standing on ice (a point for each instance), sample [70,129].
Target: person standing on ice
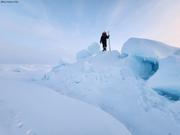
[103,40]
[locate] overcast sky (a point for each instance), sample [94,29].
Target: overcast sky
[44,31]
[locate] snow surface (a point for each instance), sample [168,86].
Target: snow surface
[116,83]
[27,108]
[135,87]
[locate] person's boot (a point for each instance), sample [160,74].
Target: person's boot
[104,49]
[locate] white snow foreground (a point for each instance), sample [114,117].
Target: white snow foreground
[27,108]
[123,85]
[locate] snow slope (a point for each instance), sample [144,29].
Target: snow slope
[27,108]
[118,84]
[138,87]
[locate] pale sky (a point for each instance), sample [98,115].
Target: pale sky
[44,31]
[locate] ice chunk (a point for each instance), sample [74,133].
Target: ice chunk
[147,48]
[94,48]
[82,54]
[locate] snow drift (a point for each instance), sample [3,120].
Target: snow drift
[138,87]
[121,84]
[27,108]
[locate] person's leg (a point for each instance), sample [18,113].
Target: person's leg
[104,47]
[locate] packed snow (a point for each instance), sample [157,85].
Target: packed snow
[135,91]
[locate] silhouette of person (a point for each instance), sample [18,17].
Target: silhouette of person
[103,40]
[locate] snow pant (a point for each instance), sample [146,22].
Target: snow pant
[104,47]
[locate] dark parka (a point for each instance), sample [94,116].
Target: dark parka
[103,40]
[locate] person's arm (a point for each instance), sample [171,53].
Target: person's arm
[107,36]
